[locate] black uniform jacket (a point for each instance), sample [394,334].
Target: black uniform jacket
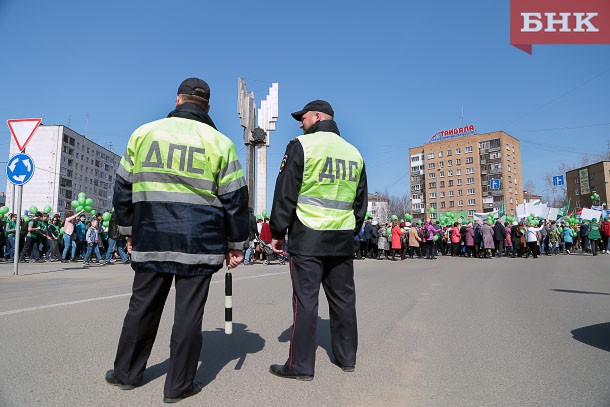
[301,239]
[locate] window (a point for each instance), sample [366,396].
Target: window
[470,191]
[472,202]
[450,173]
[416,187]
[470,180]
[451,193]
[431,166]
[507,147]
[432,194]
[460,192]
[431,155]
[508,168]
[414,159]
[468,149]
[471,213]
[511,200]
[442,184]
[450,182]
[449,163]
[469,160]
[460,203]
[441,174]
[469,170]
[496,155]
[451,204]
[448,153]
[441,164]
[431,175]
[442,194]
[459,181]
[458,161]
[432,185]
[458,151]
[416,196]
[510,189]
[458,172]
[440,154]
[442,204]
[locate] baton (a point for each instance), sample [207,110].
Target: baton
[228,303]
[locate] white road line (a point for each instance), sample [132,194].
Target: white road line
[109,297]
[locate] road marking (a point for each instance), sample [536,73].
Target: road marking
[109,297]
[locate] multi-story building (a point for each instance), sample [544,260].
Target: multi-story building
[473,173]
[378,206]
[66,163]
[583,182]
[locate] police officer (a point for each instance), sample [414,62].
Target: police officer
[182,200]
[321,199]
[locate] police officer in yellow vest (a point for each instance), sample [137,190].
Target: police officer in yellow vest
[320,199]
[181,197]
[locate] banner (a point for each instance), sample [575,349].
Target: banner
[590,214]
[559,22]
[553,212]
[583,176]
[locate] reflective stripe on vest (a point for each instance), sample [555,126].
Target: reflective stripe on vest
[330,179]
[180,160]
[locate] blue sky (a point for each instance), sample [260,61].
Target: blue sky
[394,72]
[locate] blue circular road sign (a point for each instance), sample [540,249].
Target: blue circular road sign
[20,169]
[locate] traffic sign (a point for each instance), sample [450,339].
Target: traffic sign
[494,183]
[558,180]
[19,169]
[23,130]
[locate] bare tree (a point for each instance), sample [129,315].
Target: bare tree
[400,204]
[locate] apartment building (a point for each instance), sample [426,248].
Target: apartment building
[465,172]
[584,181]
[66,163]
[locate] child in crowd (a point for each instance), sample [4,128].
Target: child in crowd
[92,244]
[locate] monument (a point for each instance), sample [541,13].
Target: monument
[256,139]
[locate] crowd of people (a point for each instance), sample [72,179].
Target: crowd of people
[386,241]
[46,238]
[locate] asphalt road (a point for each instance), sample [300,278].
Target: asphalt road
[451,332]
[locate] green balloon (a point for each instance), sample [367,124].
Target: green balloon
[88,202]
[79,208]
[3,210]
[61,230]
[82,200]
[74,204]
[88,209]
[82,194]
[33,209]
[93,212]
[389,230]
[264,213]
[47,209]
[368,214]
[394,217]
[432,210]
[419,222]
[106,223]
[435,238]
[106,216]
[26,219]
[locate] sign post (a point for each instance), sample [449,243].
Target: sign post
[19,170]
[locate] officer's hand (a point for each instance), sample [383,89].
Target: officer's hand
[277,245]
[234,257]
[129,245]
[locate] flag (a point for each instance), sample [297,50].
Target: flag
[502,211]
[563,211]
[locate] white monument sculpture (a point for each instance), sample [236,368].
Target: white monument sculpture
[257,137]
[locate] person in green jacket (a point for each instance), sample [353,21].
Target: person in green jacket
[594,235]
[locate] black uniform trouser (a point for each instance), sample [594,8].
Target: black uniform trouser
[141,323]
[337,277]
